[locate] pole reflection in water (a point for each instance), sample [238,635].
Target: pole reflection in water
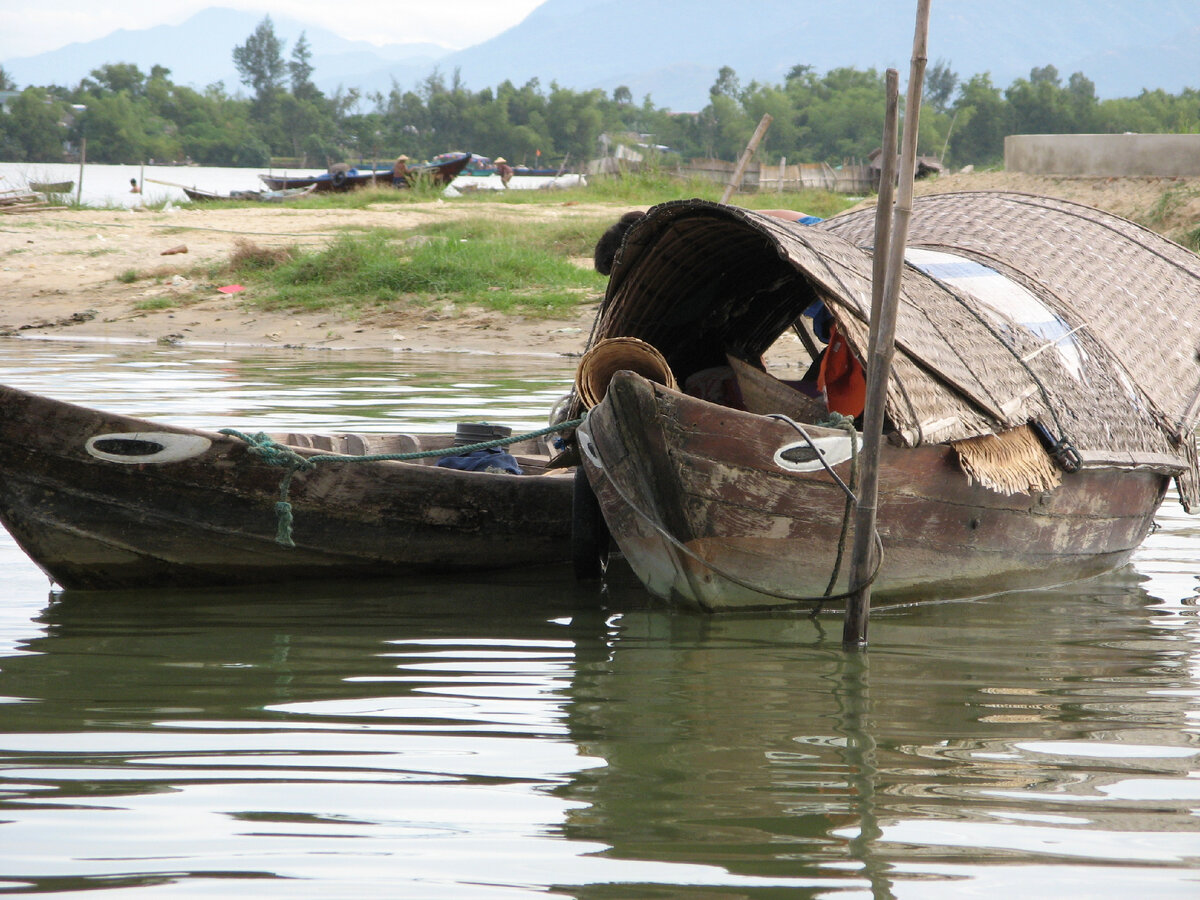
[1042,741]
[504,736]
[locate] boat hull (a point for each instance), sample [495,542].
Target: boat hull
[203,511]
[709,517]
[441,173]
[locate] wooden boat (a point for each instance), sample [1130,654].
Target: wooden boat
[1043,395]
[483,165]
[442,171]
[52,187]
[279,196]
[102,501]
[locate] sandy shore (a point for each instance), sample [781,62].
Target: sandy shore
[59,270]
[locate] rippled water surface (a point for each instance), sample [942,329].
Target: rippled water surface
[505,736]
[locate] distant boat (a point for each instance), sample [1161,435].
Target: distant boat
[52,187]
[443,170]
[280,196]
[483,166]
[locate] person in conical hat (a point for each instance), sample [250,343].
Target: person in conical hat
[504,170]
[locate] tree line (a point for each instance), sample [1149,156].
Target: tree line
[127,116]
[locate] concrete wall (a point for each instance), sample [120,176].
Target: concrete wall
[1103,154]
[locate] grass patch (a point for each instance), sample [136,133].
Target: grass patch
[155,303]
[129,276]
[646,188]
[1159,216]
[1191,240]
[478,262]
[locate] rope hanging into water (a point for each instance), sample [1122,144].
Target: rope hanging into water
[264,448]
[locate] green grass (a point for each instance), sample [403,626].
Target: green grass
[1191,240]
[157,303]
[1167,204]
[641,190]
[477,263]
[497,262]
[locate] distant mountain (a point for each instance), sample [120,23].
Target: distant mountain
[672,50]
[200,52]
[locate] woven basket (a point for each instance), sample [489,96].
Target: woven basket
[606,358]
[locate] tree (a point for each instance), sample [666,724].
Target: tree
[1042,105]
[301,69]
[33,126]
[799,72]
[982,123]
[726,85]
[259,61]
[117,77]
[940,83]
[6,82]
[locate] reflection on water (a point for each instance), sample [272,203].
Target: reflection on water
[292,389]
[499,737]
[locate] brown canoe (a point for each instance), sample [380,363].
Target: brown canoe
[101,501]
[710,513]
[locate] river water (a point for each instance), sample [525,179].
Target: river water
[108,185]
[508,736]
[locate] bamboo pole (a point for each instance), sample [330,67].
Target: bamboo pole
[744,161]
[881,343]
[168,183]
[82,160]
[862,557]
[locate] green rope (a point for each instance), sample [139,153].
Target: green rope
[262,447]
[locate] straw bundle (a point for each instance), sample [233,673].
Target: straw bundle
[1012,462]
[606,358]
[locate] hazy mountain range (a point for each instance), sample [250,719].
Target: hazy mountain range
[672,50]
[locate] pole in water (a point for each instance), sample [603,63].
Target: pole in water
[881,344]
[82,160]
[858,605]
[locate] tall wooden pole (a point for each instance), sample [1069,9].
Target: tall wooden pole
[881,343]
[82,160]
[744,161]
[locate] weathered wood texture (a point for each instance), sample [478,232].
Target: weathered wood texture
[706,476]
[210,519]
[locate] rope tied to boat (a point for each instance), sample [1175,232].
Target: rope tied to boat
[266,449]
[833,420]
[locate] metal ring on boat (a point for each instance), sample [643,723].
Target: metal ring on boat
[799,456]
[142,447]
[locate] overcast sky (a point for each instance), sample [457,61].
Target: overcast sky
[44,25]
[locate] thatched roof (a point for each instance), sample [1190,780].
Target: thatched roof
[698,280]
[1129,289]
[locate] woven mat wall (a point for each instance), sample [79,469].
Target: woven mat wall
[698,280]
[1136,292]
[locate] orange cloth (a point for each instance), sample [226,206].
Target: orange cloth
[841,377]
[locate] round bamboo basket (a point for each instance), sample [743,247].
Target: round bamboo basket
[606,358]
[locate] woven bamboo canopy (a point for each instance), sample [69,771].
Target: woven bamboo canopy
[1100,352]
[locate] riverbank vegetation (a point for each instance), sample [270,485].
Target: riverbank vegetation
[128,116]
[541,268]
